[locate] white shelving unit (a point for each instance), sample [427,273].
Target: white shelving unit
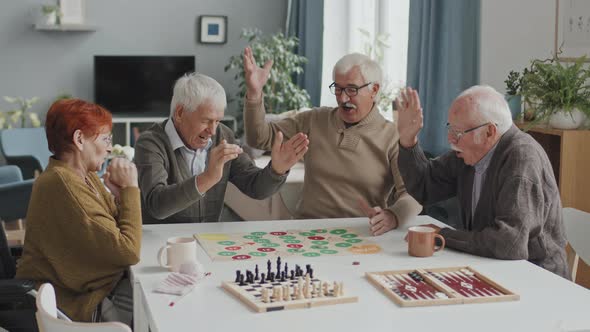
[65,27]
[129,120]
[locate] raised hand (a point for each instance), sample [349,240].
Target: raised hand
[122,173]
[410,119]
[256,77]
[219,155]
[380,221]
[285,155]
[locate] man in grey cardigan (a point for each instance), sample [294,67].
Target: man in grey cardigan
[185,162]
[509,199]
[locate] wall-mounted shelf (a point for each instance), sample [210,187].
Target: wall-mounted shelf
[66,27]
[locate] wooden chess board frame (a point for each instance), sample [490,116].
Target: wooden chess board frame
[439,280]
[253,300]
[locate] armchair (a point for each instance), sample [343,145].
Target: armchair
[26,148]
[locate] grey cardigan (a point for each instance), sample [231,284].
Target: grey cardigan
[168,190]
[519,213]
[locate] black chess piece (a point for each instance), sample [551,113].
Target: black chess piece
[283,274]
[242,283]
[307,268]
[238,273]
[292,275]
[262,279]
[310,271]
[272,277]
[256,277]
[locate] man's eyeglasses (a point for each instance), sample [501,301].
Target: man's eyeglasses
[350,91]
[457,134]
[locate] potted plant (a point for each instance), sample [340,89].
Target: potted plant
[513,97]
[557,93]
[51,14]
[281,94]
[20,113]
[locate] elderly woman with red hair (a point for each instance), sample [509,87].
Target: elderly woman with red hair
[80,237]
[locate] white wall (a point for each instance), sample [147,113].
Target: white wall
[513,33]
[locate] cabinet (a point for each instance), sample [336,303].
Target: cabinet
[126,129]
[569,153]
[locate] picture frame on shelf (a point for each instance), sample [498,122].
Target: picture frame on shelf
[212,29]
[572,29]
[72,11]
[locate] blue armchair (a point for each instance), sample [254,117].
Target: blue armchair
[14,193]
[26,148]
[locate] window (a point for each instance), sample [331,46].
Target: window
[343,20]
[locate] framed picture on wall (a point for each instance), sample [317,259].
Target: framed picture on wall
[72,11]
[212,29]
[572,29]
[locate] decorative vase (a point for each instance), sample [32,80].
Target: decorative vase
[514,102]
[567,120]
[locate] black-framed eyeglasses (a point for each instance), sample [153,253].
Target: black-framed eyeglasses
[350,91]
[457,134]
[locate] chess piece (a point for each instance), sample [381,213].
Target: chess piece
[238,276]
[341,289]
[264,293]
[325,288]
[286,293]
[256,276]
[335,289]
[262,278]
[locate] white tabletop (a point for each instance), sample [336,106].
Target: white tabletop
[547,302]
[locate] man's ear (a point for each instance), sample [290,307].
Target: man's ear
[492,130]
[78,139]
[178,113]
[375,89]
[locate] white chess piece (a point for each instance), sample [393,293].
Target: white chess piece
[264,292]
[286,293]
[341,289]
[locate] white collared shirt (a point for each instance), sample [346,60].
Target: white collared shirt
[196,160]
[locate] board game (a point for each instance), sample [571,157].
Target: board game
[283,289]
[441,286]
[304,243]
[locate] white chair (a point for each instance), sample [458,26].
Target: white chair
[577,231]
[48,321]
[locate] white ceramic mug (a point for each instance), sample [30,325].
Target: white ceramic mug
[178,251]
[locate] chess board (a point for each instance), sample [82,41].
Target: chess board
[426,287]
[304,243]
[295,293]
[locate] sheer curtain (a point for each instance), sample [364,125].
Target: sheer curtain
[343,20]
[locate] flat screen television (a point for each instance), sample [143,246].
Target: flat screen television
[138,85]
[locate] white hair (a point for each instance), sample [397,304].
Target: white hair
[370,70]
[194,89]
[489,106]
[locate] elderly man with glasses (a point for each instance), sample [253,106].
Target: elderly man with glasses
[351,166]
[509,199]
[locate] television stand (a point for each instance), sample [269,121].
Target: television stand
[228,120]
[127,121]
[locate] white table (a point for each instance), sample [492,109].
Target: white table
[547,302]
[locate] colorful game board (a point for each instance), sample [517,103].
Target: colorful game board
[456,285]
[306,243]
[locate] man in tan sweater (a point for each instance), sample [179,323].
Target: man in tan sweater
[352,152]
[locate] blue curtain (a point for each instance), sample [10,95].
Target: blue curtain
[443,60]
[306,21]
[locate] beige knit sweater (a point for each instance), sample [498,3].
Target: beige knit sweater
[342,164]
[77,240]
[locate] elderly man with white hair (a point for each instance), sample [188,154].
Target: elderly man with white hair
[353,150]
[185,162]
[509,199]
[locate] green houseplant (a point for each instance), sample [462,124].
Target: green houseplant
[281,92]
[513,84]
[20,113]
[557,93]
[52,14]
